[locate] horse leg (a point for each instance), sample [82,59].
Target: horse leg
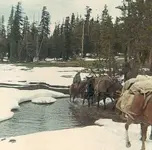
[111,95]
[92,99]
[104,101]
[113,102]
[74,97]
[70,97]
[83,101]
[88,98]
[151,134]
[128,144]
[141,130]
[84,97]
[98,100]
[144,134]
[114,106]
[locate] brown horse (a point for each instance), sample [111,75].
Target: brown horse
[106,86]
[140,112]
[80,90]
[77,90]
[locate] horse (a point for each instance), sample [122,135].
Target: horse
[140,112]
[77,90]
[106,86]
[89,92]
[114,91]
[81,90]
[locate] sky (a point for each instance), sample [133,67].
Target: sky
[59,9]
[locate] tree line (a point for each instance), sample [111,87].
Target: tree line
[129,34]
[22,41]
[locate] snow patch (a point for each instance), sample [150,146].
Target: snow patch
[50,75]
[44,100]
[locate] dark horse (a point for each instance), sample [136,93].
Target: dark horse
[104,87]
[89,92]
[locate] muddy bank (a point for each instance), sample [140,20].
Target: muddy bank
[88,115]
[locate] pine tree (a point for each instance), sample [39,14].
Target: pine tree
[117,36]
[44,33]
[67,33]
[2,27]
[107,38]
[57,50]
[148,27]
[25,40]
[3,42]
[33,44]
[16,34]
[10,23]
[95,37]
[17,23]
[86,31]
[78,35]
[9,31]
[134,44]
[73,38]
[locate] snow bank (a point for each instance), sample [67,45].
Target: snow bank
[111,136]
[90,59]
[44,100]
[51,75]
[11,98]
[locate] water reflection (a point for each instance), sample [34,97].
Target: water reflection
[33,118]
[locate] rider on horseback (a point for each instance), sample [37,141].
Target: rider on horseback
[77,78]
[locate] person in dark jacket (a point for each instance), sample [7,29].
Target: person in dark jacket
[90,90]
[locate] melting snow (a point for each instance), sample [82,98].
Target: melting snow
[111,136]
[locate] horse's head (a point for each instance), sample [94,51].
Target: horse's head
[116,87]
[118,84]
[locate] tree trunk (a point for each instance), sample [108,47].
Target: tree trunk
[82,40]
[126,69]
[110,60]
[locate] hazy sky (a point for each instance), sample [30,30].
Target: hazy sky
[59,9]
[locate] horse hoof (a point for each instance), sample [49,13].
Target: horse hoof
[128,144]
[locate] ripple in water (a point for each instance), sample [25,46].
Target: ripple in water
[33,118]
